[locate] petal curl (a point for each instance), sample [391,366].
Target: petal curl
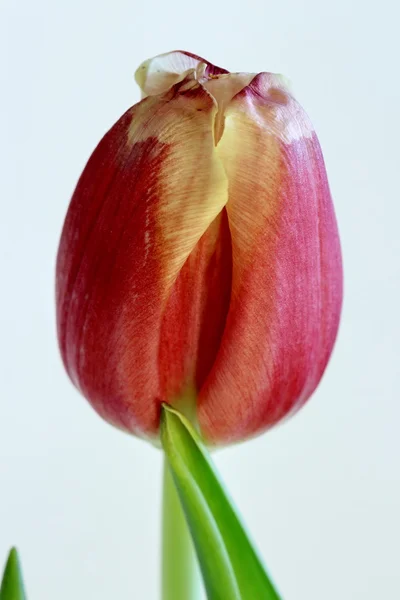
[149,192]
[287,273]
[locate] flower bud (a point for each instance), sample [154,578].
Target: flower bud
[199,263]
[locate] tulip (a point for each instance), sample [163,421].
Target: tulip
[199,263]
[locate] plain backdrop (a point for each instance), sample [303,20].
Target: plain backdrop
[321,493]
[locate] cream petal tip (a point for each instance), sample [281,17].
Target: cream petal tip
[157,75]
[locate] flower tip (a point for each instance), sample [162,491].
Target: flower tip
[158,74]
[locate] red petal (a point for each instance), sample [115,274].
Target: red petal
[287,275]
[148,193]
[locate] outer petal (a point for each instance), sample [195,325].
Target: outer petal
[287,275]
[147,195]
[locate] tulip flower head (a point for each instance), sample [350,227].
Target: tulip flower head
[199,264]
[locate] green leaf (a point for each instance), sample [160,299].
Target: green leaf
[12,586]
[229,563]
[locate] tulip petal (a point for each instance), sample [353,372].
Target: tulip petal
[287,275]
[149,192]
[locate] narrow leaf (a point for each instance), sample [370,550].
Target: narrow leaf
[230,565]
[12,587]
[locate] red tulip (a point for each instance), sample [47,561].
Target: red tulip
[199,263]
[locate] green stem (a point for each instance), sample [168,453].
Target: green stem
[180,572]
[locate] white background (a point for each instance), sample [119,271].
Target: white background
[320,494]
